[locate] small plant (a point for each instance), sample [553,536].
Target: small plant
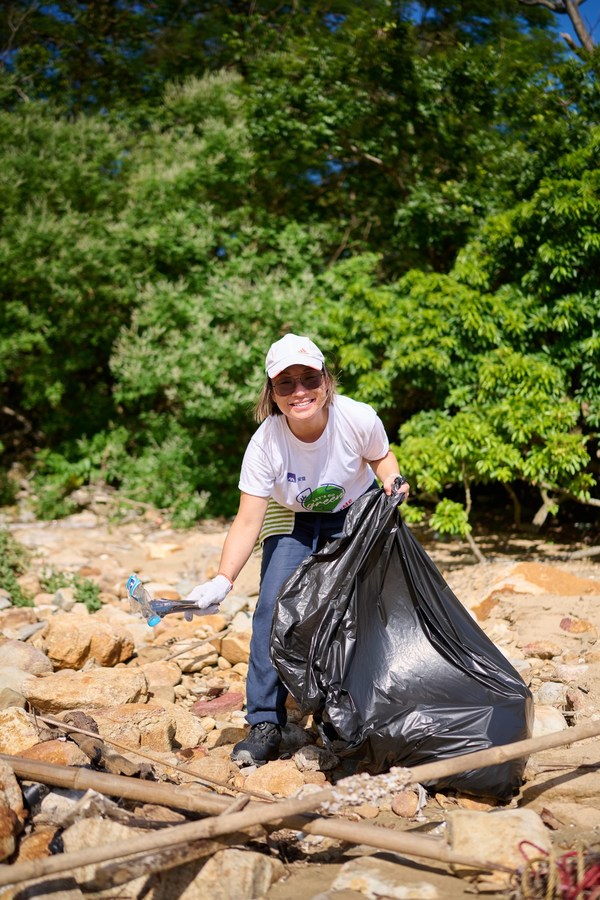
[13,562]
[85,590]
[88,592]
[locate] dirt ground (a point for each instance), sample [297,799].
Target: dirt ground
[533,598]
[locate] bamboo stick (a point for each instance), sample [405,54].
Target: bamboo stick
[288,813]
[181,798]
[281,813]
[80,779]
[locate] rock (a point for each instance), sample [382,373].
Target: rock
[280,778]
[10,791]
[195,658]
[576,815]
[406,804]
[58,752]
[313,758]
[43,599]
[137,725]
[9,829]
[239,874]
[555,580]
[213,769]
[13,678]
[542,649]
[96,832]
[94,689]
[37,844]
[161,672]
[8,697]
[17,732]
[12,620]
[57,805]
[551,693]
[578,626]
[71,640]
[572,673]
[224,737]
[496,836]
[547,720]
[19,655]
[64,598]
[366,810]
[374,878]
[218,706]
[235,647]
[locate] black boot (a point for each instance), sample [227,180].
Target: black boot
[261,745]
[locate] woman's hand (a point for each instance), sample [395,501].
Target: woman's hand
[207,596]
[396,484]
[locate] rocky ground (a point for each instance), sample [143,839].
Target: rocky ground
[164,705]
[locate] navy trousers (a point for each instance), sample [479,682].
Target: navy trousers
[282,554]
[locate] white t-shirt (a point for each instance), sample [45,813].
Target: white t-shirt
[323,476]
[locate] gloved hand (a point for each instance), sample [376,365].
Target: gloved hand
[207,596]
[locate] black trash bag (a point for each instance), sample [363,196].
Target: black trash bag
[368,637]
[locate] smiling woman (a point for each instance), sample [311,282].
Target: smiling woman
[313,455]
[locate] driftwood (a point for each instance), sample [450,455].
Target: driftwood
[286,813]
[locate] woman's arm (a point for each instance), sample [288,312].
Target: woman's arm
[242,536]
[386,470]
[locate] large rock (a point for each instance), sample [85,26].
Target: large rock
[497,836]
[137,725]
[93,689]
[23,656]
[70,640]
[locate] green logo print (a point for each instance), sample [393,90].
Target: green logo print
[325,498]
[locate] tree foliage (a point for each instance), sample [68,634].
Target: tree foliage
[416,187]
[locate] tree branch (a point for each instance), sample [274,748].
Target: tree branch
[569,8]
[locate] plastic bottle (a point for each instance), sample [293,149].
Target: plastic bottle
[141,600]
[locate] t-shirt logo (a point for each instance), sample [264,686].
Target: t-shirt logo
[325,498]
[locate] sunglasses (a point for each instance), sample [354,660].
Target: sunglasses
[283,387]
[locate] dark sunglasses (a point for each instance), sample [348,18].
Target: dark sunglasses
[283,387]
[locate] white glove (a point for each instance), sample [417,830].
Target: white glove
[207,596]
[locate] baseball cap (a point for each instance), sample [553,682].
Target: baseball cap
[292,350]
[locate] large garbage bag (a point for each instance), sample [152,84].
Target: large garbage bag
[368,637]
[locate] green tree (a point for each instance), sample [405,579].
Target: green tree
[490,372]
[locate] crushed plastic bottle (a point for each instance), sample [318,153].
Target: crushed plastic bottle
[140,600]
[153,610]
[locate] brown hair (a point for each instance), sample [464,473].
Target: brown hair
[266,405]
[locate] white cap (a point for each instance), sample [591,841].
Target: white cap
[292,350]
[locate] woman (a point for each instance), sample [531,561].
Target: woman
[313,455]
